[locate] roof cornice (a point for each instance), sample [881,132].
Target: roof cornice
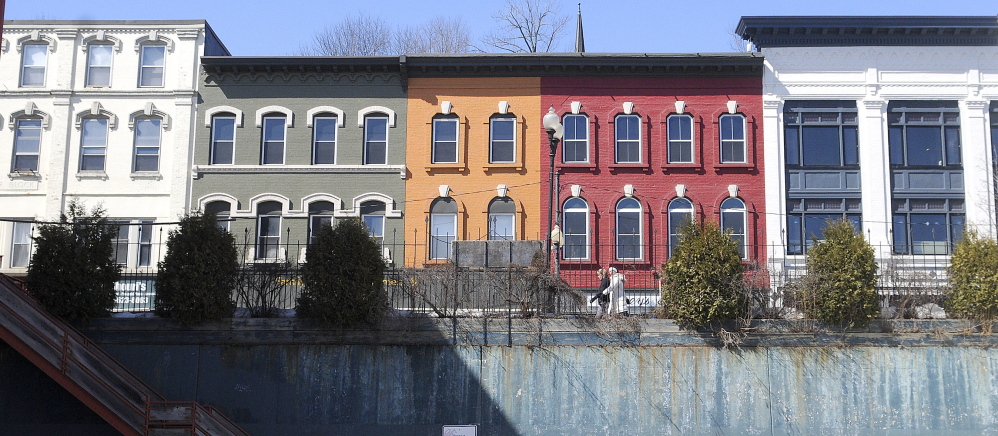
[839,31]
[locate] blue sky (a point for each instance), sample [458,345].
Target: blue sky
[269,28]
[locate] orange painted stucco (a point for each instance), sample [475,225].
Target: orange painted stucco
[473,180]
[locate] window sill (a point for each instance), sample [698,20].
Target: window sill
[581,166]
[458,166]
[24,175]
[146,176]
[743,165]
[681,167]
[635,166]
[91,175]
[502,166]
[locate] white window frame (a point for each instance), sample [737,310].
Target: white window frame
[566,140]
[437,143]
[367,142]
[743,140]
[616,215]
[283,141]
[743,211]
[18,239]
[674,207]
[617,141]
[377,236]
[91,66]
[143,66]
[25,66]
[15,153]
[433,235]
[492,140]
[103,148]
[680,142]
[260,253]
[215,141]
[138,237]
[315,137]
[586,232]
[136,146]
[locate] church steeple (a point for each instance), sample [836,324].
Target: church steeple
[580,43]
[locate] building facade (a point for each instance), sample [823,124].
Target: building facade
[287,145]
[100,112]
[885,121]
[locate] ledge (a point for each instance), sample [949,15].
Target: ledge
[146,176]
[91,175]
[198,170]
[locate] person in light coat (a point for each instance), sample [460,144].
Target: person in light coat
[618,300]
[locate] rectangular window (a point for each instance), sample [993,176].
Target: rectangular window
[502,141]
[132,243]
[99,65]
[575,145]
[223,140]
[732,139]
[376,141]
[268,237]
[375,227]
[501,227]
[680,139]
[445,140]
[147,132]
[94,144]
[628,139]
[927,226]
[145,229]
[443,232]
[119,242]
[27,143]
[20,253]
[152,63]
[924,134]
[575,220]
[324,140]
[807,218]
[33,64]
[821,134]
[272,152]
[315,223]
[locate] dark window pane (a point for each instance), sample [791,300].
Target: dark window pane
[900,234]
[850,146]
[952,145]
[821,145]
[896,139]
[924,146]
[795,242]
[792,146]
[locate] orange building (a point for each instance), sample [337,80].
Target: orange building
[473,161]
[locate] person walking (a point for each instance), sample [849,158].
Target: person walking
[601,295]
[618,300]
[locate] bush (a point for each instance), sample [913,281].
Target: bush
[343,276]
[841,277]
[703,278]
[72,272]
[197,277]
[973,274]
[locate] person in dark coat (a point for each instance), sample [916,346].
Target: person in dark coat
[601,294]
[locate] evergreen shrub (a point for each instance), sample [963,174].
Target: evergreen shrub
[841,277]
[973,273]
[703,278]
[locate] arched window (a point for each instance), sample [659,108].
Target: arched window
[268,230]
[222,211]
[575,227]
[628,229]
[575,146]
[502,219]
[223,139]
[320,213]
[680,212]
[733,221]
[443,227]
[372,212]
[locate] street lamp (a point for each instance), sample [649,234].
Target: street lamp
[552,124]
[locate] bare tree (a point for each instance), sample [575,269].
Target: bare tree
[527,26]
[371,36]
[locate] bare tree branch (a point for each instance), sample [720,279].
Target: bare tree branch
[440,35]
[529,26]
[372,36]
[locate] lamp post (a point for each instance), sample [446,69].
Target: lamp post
[552,124]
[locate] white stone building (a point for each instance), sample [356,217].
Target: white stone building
[886,121]
[100,111]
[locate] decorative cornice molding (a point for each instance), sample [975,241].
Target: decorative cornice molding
[154,36]
[99,37]
[149,111]
[38,37]
[30,110]
[299,169]
[96,110]
[824,31]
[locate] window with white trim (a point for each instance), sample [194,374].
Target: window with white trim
[99,58]
[372,213]
[502,139]
[680,133]
[132,243]
[502,219]
[575,227]
[324,140]
[274,134]
[376,140]
[575,145]
[223,139]
[20,251]
[821,134]
[320,213]
[628,229]
[680,213]
[268,230]
[733,221]
[222,211]
[732,138]
[27,144]
[93,144]
[152,65]
[443,227]
[927,226]
[147,145]
[445,133]
[33,62]
[627,139]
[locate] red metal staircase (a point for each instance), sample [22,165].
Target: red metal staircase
[94,377]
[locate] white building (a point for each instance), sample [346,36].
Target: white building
[100,111]
[886,121]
